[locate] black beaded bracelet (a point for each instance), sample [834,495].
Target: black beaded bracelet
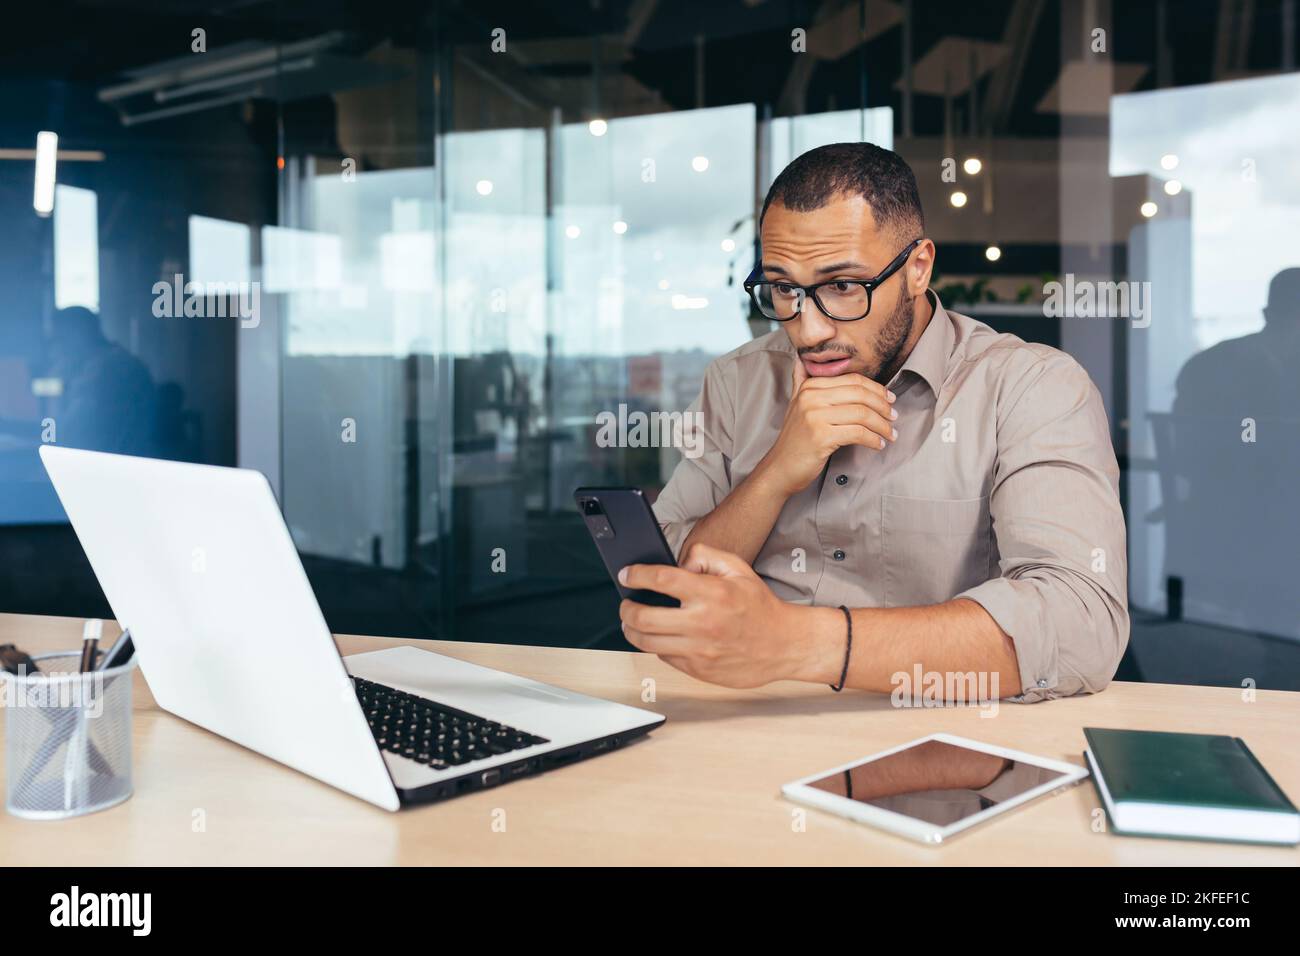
[848,649]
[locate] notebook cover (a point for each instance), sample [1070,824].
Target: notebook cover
[1203,770]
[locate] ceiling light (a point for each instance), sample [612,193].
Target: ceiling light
[680,301]
[47,151]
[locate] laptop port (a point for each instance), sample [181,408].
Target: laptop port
[490,778]
[557,760]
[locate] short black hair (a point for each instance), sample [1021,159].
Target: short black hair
[880,176]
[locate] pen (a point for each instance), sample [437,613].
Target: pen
[90,635]
[74,763]
[16,661]
[121,652]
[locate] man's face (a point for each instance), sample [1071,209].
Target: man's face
[841,241]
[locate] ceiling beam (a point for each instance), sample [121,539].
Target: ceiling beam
[1004,82]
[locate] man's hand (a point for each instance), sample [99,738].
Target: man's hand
[825,414]
[730,630]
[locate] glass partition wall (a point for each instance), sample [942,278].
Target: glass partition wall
[465,342]
[454,260]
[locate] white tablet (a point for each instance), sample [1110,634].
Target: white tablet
[934,788]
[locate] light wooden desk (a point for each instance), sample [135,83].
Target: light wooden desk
[704,788]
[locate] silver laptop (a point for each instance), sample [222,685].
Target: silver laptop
[197,562]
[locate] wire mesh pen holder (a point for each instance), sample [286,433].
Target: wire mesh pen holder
[67,738]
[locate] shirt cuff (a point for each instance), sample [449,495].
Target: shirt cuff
[1017,608]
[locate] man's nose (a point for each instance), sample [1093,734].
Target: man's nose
[814,326]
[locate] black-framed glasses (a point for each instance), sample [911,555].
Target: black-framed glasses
[844,300]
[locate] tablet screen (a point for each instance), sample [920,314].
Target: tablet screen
[937,782]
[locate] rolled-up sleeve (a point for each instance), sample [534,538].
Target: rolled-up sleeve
[703,477]
[1062,593]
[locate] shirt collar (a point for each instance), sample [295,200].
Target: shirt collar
[929,358]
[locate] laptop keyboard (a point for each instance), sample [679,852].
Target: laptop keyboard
[432,734]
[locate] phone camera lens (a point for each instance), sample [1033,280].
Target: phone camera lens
[590,506]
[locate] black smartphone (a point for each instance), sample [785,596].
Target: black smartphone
[626,532]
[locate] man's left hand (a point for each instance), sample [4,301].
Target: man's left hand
[730,630]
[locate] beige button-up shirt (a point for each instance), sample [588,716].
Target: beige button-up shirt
[1002,488]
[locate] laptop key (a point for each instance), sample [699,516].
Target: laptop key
[440,737]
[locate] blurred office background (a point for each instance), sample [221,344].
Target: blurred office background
[477,226]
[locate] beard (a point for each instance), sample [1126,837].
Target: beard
[890,340]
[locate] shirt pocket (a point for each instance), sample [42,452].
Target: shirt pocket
[933,548]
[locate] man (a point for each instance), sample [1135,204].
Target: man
[108,401]
[881,462]
[1228,457]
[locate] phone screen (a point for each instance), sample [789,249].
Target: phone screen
[936,782]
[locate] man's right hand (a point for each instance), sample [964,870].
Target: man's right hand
[825,414]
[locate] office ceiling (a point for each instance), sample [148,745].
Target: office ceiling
[650,54]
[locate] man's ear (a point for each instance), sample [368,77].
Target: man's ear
[920,267]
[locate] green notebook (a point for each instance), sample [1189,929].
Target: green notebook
[1196,786]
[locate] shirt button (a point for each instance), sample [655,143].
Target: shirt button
[841,479]
[838,555]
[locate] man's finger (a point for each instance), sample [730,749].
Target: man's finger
[663,578]
[651,619]
[858,415]
[857,435]
[852,378]
[705,559]
[659,644]
[854,395]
